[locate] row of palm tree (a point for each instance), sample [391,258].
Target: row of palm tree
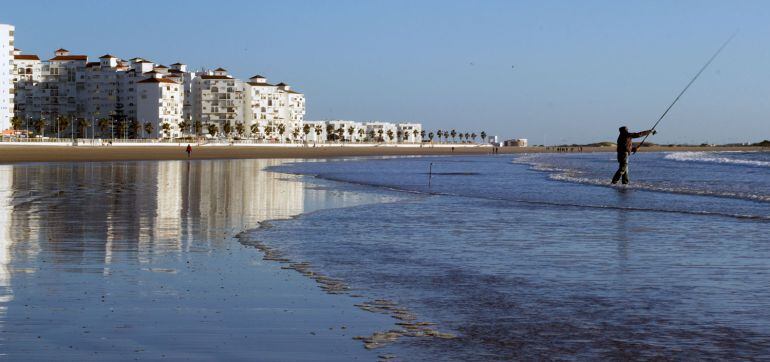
[456,136]
[130,129]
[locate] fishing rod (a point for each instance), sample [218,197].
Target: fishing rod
[685,89]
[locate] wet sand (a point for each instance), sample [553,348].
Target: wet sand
[139,260]
[35,153]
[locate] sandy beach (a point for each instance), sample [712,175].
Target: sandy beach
[14,153]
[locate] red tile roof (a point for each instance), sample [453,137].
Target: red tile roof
[69,57]
[220,69]
[216,77]
[26,57]
[255,84]
[257,76]
[107,56]
[162,67]
[61,50]
[156,80]
[178,64]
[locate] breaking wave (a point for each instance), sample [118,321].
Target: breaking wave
[577,176]
[712,157]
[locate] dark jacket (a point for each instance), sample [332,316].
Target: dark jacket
[626,141]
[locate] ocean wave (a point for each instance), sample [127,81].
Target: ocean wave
[713,157]
[576,176]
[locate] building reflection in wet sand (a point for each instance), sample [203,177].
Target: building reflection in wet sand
[85,216]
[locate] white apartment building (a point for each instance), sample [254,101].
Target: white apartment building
[26,75]
[316,131]
[160,103]
[269,108]
[6,74]
[351,131]
[409,132]
[381,132]
[217,102]
[69,86]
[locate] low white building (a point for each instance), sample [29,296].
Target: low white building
[409,132]
[351,131]
[6,74]
[316,131]
[516,142]
[381,132]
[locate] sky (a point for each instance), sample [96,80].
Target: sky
[549,71]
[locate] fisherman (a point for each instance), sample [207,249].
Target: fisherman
[188,150]
[625,148]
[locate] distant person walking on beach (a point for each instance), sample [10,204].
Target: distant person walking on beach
[188,150]
[625,148]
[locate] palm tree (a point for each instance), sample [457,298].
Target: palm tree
[184,126]
[351,131]
[439,134]
[240,129]
[467,136]
[16,123]
[39,126]
[380,132]
[390,135]
[473,136]
[269,130]
[421,133]
[148,128]
[133,128]
[483,136]
[430,137]
[228,128]
[83,125]
[330,132]
[306,130]
[166,127]
[281,130]
[213,129]
[254,129]
[318,131]
[64,123]
[371,135]
[453,133]
[341,133]
[198,126]
[121,128]
[361,134]
[400,135]
[103,125]
[295,133]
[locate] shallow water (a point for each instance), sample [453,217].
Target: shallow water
[137,260]
[535,257]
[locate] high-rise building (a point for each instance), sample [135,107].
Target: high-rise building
[6,73]
[66,93]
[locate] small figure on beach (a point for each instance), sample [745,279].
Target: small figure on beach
[188,150]
[625,148]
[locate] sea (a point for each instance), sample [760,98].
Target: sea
[442,258]
[537,256]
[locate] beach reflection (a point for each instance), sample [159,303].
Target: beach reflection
[84,217]
[116,258]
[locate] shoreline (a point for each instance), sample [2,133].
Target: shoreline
[22,153]
[201,283]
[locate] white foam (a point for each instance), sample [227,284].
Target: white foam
[576,176]
[712,157]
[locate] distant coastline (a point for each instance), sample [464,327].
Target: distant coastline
[18,153]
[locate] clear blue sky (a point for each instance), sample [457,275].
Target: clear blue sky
[566,71]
